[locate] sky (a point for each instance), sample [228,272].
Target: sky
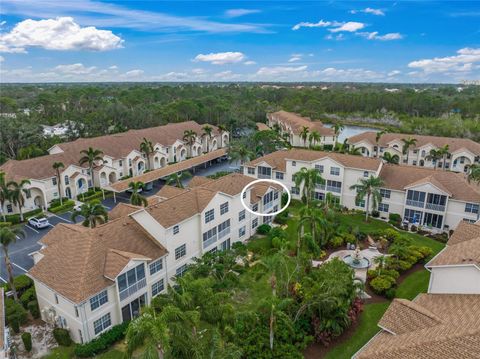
[387,41]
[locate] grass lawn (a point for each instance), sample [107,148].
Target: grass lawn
[67,353]
[415,283]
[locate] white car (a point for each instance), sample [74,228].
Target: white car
[78,207]
[38,222]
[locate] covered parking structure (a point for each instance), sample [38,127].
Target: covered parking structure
[191,163]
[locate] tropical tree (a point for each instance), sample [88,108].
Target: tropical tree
[16,190]
[378,135]
[93,213]
[304,134]
[434,155]
[337,128]
[308,178]
[389,158]
[222,129]
[354,151]
[370,188]
[407,143]
[146,147]
[136,198]
[190,137]
[240,153]
[89,157]
[314,137]
[57,166]
[9,236]
[177,178]
[474,173]
[207,133]
[4,194]
[316,220]
[444,152]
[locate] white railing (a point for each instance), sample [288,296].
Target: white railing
[411,202]
[334,189]
[264,176]
[223,232]
[268,205]
[127,292]
[209,241]
[435,207]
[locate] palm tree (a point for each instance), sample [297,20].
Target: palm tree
[337,128]
[309,178]
[434,155]
[90,156]
[136,198]
[207,132]
[177,178]
[146,147]
[378,135]
[190,137]
[314,137]
[222,129]
[354,151]
[57,166]
[304,135]
[407,143]
[4,194]
[313,217]
[474,173]
[369,187]
[9,236]
[16,192]
[93,213]
[443,152]
[389,158]
[240,153]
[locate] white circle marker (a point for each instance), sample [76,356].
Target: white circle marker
[265,214]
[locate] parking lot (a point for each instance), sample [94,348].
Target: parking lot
[20,251]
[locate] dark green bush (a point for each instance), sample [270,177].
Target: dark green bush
[15,218]
[382,283]
[395,219]
[22,283]
[375,214]
[264,229]
[33,309]
[27,341]
[390,293]
[62,336]
[349,238]
[56,202]
[281,220]
[67,205]
[15,314]
[5,224]
[28,296]
[335,242]
[327,147]
[102,343]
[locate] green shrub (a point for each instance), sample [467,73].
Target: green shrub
[15,314]
[62,336]
[398,264]
[28,296]
[5,224]
[280,220]
[375,214]
[395,219]
[33,309]
[15,218]
[335,242]
[390,234]
[327,147]
[381,283]
[68,205]
[425,251]
[27,341]
[349,238]
[390,293]
[22,283]
[102,343]
[264,228]
[56,202]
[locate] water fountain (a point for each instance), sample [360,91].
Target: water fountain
[356,260]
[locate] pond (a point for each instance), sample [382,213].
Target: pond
[351,130]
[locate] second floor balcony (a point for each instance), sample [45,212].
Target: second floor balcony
[413,203]
[435,207]
[224,232]
[130,290]
[334,189]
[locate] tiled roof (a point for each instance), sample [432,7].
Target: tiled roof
[122,210]
[453,143]
[433,326]
[170,191]
[297,122]
[277,160]
[464,232]
[199,181]
[465,252]
[117,260]
[262,127]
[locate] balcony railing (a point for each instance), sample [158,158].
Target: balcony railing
[127,292]
[320,186]
[209,241]
[411,202]
[268,205]
[223,232]
[435,207]
[261,175]
[334,189]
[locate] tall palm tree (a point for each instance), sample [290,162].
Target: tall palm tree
[337,128]
[15,194]
[314,218]
[407,143]
[93,213]
[177,178]
[57,166]
[146,147]
[9,236]
[444,152]
[309,178]
[474,173]
[89,157]
[207,132]
[378,135]
[354,151]
[314,137]
[136,198]
[434,155]
[389,158]
[190,137]
[370,188]
[4,194]
[222,129]
[240,153]
[304,135]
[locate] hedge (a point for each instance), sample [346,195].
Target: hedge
[65,207]
[263,229]
[15,218]
[27,341]
[28,296]
[102,343]
[5,224]
[22,283]
[56,202]
[62,336]
[15,314]
[34,309]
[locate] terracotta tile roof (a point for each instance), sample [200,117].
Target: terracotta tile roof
[454,144]
[448,326]
[117,260]
[198,181]
[75,260]
[169,191]
[262,127]
[464,232]
[297,122]
[122,210]
[277,160]
[399,177]
[465,252]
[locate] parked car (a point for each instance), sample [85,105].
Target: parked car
[38,222]
[78,207]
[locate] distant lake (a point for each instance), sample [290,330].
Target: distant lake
[350,130]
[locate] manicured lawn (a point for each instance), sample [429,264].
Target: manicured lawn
[415,283]
[67,353]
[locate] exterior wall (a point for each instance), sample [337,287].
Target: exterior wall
[455,280]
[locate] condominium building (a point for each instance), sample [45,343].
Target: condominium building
[292,125]
[88,280]
[121,157]
[462,152]
[435,200]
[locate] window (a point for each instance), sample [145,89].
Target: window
[385,193]
[264,172]
[54,181]
[471,208]
[433,220]
[244,195]
[412,216]
[225,245]
[180,251]
[295,190]
[158,287]
[76,312]
[98,300]
[223,208]
[250,170]
[335,171]
[365,173]
[414,162]
[415,198]
[294,163]
[334,186]
[56,299]
[319,168]
[209,237]
[102,324]
[255,223]
[241,232]
[224,229]
[319,196]
[275,195]
[383,207]
[66,179]
[176,229]
[255,207]
[180,271]
[120,163]
[241,215]
[360,203]
[156,266]
[267,199]
[130,162]
[209,215]
[279,175]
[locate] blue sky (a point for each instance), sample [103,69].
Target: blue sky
[88,40]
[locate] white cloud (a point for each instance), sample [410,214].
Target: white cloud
[333,26]
[221,58]
[199,71]
[466,61]
[249,62]
[172,76]
[2,58]
[240,12]
[62,33]
[226,76]
[295,58]
[74,69]
[321,23]
[369,10]
[334,74]
[387,37]
[279,70]
[134,73]
[394,73]
[113,67]
[350,26]
[338,37]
